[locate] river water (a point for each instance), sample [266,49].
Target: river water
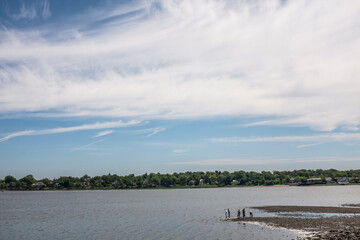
[154,214]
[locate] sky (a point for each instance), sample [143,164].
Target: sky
[121,87]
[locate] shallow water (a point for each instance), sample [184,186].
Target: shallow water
[315,215]
[154,214]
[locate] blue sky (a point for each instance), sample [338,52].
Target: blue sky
[126,87]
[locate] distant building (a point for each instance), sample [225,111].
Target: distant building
[343,181]
[354,179]
[329,180]
[201,182]
[314,181]
[293,183]
[38,184]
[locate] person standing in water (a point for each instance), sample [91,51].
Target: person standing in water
[225,213]
[238,213]
[228,213]
[243,212]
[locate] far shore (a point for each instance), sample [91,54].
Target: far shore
[179,187]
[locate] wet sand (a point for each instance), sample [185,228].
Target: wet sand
[337,227]
[351,205]
[311,209]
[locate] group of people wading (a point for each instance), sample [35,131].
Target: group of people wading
[228,215]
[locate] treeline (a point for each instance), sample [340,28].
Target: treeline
[187,179]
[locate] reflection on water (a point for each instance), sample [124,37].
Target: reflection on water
[153,214]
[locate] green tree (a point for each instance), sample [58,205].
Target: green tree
[28,180]
[9,179]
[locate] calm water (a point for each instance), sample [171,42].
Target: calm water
[153,214]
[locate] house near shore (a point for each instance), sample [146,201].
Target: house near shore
[343,181]
[191,182]
[329,180]
[201,182]
[354,179]
[86,183]
[314,181]
[38,184]
[293,183]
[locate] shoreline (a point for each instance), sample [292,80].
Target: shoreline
[187,187]
[302,234]
[334,227]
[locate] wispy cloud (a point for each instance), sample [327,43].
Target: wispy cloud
[180,151]
[241,162]
[104,133]
[26,13]
[306,120]
[87,147]
[149,131]
[32,9]
[309,145]
[154,131]
[296,61]
[94,126]
[321,138]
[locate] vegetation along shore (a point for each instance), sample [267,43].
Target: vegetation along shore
[185,180]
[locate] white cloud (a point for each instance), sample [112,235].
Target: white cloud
[149,131]
[155,130]
[296,62]
[243,162]
[87,147]
[27,13]
[34,9]
[94,126]
[104,133]
[309,145]
[321,138]
[180,151]
[350,128]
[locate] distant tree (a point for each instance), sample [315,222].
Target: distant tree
[212,179]
[28,180]
[9,179]
[85,178]
[46,181]
[155,179]
[183,179]
[66,182]
[146,180]
[166,180]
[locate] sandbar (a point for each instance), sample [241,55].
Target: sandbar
[334,227]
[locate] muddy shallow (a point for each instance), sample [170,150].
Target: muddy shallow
[311,209]
[336,227]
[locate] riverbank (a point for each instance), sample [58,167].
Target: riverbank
[177,187]
[334,227]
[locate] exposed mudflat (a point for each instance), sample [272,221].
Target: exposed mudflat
[351,205]
[337,227]
[311,209]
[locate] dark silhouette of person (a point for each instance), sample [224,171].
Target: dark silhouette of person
[243,212]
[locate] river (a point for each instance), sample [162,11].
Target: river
[154,214]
